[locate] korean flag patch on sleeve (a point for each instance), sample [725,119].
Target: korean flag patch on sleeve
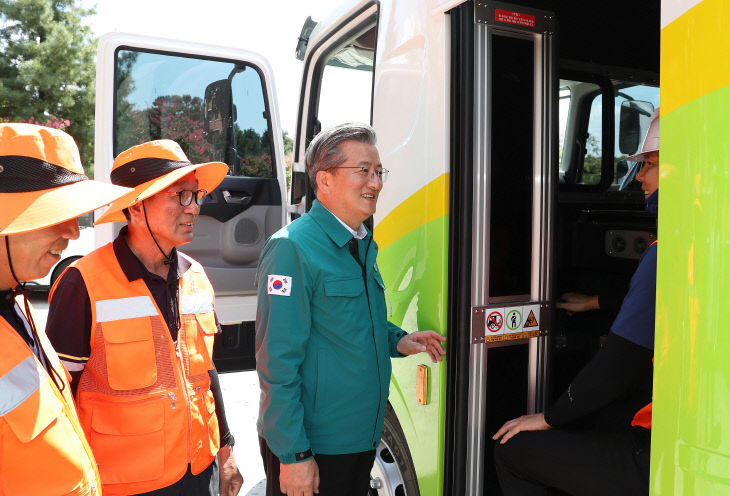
[279,285]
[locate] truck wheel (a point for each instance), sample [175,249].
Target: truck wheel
[393,473]
[60,267]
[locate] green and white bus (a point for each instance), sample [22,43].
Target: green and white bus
[506,128]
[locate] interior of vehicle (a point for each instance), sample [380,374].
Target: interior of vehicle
[601,226]
[599,104]
[608,89]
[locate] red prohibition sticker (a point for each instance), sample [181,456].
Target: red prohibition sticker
[494,321]
[516,18]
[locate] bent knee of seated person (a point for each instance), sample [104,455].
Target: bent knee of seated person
[516,449]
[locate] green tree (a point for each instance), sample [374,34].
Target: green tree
[288,156]
[126,115]
[288,143]
[249,142]
[47,68]
[592,161]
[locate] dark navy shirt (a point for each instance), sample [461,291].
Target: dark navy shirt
[635,320]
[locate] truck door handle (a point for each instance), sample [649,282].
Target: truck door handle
[244,199]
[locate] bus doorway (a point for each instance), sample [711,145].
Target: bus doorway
[543,203]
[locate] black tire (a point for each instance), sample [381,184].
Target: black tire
[393,462]
[61,266]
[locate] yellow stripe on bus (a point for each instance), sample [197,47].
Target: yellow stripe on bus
[690,67]
[425,205]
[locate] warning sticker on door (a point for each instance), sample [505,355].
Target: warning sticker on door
[502,324]
[516,18]
[494,321]
[531,320]
[514,319]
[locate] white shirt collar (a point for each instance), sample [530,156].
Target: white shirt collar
[361,230]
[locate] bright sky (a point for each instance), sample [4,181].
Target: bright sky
[270,28]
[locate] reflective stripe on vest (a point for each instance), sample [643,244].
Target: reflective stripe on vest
[144,400]
[197,303]
[18,384]
[125,308]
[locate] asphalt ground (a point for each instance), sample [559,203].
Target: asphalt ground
[241,397]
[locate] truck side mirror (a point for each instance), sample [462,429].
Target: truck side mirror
[217,112]
[634,122]
[307,29]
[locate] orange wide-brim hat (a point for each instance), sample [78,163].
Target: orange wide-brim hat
[151,167]
[42,182]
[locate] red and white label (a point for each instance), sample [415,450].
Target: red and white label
[494,321]
[516,18]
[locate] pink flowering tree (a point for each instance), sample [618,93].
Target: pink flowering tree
[50,121]
[180,118]
[175,117]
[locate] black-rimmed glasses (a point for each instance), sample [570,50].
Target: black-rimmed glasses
[185,197]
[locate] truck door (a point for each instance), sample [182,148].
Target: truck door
[337,83]
[218,104]
[508,55]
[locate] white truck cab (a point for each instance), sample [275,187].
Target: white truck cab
[219,104]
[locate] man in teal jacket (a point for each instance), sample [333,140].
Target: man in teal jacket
[323,342]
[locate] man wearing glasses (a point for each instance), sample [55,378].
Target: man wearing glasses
[134,323]
[323,342]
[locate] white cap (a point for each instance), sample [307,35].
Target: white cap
[651,142]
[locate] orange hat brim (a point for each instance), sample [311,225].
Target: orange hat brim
[33,210]
[208,174]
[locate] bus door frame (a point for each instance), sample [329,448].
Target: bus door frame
[539,28]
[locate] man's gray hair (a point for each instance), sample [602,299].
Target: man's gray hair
[324,150]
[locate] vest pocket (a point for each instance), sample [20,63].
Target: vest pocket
[213,433]
[35,414]
[200,341]
[128,440]
[204,433]
[39,432]
[130,353]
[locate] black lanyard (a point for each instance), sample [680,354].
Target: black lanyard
[8,312]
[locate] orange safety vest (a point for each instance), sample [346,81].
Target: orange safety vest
[42,446]
[643,417]
[145,401]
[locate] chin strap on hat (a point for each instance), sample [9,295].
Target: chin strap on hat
[168,258]
[19,290]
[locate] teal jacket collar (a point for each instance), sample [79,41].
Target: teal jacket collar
[330,225]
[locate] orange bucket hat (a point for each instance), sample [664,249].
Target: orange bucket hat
[42,182]
[153,166]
